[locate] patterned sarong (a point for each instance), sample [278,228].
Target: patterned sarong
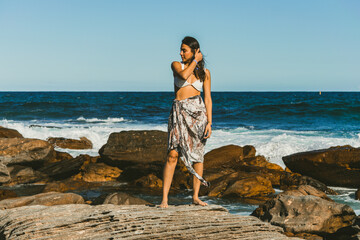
[186,129]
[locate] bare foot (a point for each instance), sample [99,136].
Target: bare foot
[163,205]
[199,202]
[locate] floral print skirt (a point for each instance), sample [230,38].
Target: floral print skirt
[186,129]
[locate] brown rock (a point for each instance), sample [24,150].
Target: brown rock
[241,185]
[83,143]
[24,151]
[47,199]
[5,194]
[58,157]
[97,172]
[335,166]
[66,168]
[149,181]
[121,198]
[134,147]
[22,174]
[357,194]
[4,173]
[70,185]
[304,190]
[108,221]
[292,180]
[306,214]
[9,133]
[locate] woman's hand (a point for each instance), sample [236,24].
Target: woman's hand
[207,131]
[198,55]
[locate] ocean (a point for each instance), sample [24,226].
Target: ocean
[275,123]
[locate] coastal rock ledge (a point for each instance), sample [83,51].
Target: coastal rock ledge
[81,221]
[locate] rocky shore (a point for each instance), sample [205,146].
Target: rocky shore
[133,161]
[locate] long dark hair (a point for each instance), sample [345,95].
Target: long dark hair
[199,71]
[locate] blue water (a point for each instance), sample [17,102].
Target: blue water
[276,123]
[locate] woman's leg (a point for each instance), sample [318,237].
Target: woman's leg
[168,176]
[198,167]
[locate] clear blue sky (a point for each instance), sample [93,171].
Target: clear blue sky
[253,45]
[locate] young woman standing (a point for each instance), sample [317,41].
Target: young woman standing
[190,118]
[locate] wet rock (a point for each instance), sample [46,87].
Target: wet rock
[134,147]
[97,172]
[58,157]
[70,185]
[4,173]
[64,169]
[304,190]
[5,194]
[247,187]
[48,199]
[357,194]
[24,151]
[306,214]
[9,133]
[80,221]
[335,166]
[149,181]
[22,174]
[121,198]
[291,180]
[83,143]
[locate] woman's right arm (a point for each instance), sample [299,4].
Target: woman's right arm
[185,74]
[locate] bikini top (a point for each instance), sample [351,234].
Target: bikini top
[183,83]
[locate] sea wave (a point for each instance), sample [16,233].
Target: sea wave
[99,120]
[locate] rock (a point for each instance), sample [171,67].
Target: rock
[290,181]
[5,194]
[246,187]
[9,133]
[80,221]
[22,174]
[134,147]
[357,194]
[304,190]
[66,168]
[70,185]
[97,172]
[58,157]
[4,173]
[335,166]
[24,151]
[121,198]
[83,143]
[306,214]
[149,181]
[48,199]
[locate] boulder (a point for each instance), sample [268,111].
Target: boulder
[304,190]
[83,143]
[134,147]
[292,180]
[9,133]
[357,194]
[22,174]
[5,194]
[24,151]
[70,185]
[335,166]
[246,187]
[58,157]
[47,199]
[149,181]
[306,214]
[66,168]
[120,198]
[108,221]
[97,172]
[4,173]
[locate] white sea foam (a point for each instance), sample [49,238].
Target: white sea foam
[107,120]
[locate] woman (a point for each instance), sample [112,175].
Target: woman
[190,119]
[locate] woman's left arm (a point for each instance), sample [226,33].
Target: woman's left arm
[208,102]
